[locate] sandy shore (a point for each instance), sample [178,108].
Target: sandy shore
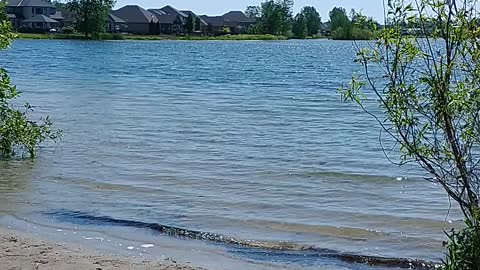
[24,252]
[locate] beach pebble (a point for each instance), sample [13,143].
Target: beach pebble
[130,248]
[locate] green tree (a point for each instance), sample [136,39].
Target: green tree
[60,5]
[190,24]
[271,20]
[253,12]
[198,24]
[91,15]
[18,133]
[286,15]
[427,86]
[299,28]
[341,26]
[363,22]
[312,19]
[276,17]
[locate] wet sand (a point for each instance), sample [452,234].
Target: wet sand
[20,251]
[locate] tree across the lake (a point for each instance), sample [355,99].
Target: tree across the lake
[276,17]
[91,16]
[307,23]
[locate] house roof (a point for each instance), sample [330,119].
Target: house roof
[214,20]
[115,18]
[171,10]
[237,16]
[230,19]
[135,14]
[67,15]
[163,17]
[191,13]
[158,12]
[40,19]
[29,3]
[57,15]
[325,26]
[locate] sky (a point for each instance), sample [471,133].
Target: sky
[218,7]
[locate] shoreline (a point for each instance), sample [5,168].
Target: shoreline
[21,249]
[108,36]
[25,251]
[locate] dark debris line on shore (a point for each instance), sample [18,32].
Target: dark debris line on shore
[89,219]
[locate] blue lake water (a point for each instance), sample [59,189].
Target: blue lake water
[244,139]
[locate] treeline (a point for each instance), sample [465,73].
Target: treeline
[273,17]
[353,27]
[276,17]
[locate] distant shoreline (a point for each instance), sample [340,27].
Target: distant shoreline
[150,37]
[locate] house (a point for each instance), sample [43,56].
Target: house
[116,24]
[173,21]
[137,20]
[173,11]
[215,24]
[235,22]
[203,24]
[168,23]
[40,23]
[238,21]
[58,16]
[32,15]
[68,17]
[325,29]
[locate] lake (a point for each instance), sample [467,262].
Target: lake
[249,140]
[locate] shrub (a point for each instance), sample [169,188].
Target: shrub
[32,30]
[117,36]
[361,34]
[341,34]
[463,248]
[67,30]
[18,134]
[427,88]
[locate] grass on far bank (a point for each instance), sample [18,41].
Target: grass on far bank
[49,36]
[108,36]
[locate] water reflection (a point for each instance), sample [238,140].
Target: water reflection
[15,182]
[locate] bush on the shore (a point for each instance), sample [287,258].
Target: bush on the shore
[111,36]
[427,88]
[18,133]
[68,30]
[463,248]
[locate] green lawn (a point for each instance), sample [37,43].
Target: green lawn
[49,36]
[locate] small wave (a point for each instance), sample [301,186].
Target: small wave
[292,248]
[345,176]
